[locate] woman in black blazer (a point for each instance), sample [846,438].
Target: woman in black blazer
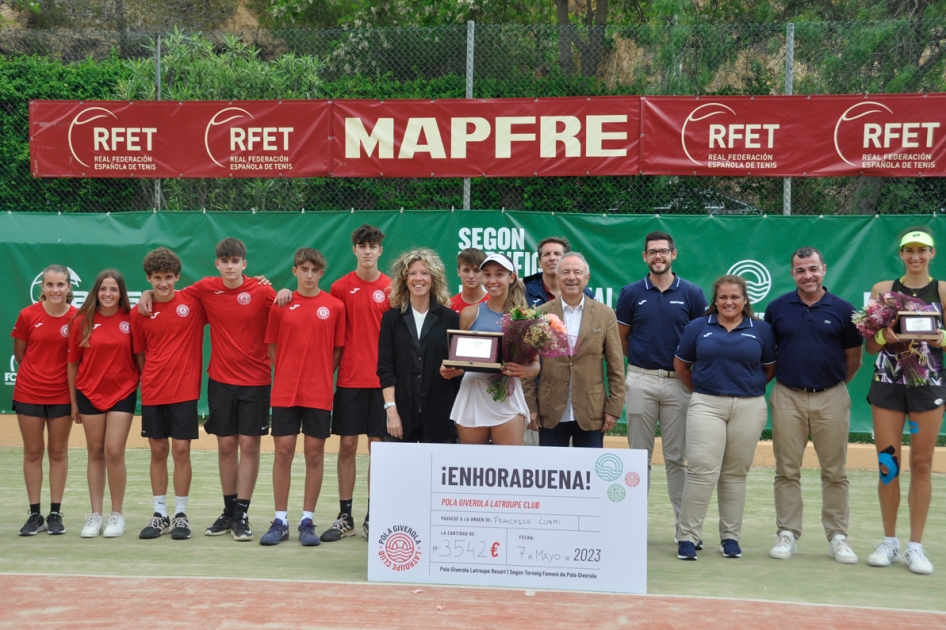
[412,345]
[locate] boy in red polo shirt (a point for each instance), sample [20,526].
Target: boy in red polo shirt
[471,279]
[237,308]
[358,405]
[168,348]
[305,340]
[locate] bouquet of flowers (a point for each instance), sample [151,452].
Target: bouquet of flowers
[526,335]
[880,313]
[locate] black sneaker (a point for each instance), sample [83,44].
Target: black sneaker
[54,526]
[343,527]
[34,525]
[221,526]
[241,529]
[364,527]
[156,527]
[180,527]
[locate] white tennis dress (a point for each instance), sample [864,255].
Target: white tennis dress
[474,406]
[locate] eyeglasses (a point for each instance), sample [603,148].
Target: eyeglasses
[653,252]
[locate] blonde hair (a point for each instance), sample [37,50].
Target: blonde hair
[56,269]
[401,294]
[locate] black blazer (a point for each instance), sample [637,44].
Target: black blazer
[397,345]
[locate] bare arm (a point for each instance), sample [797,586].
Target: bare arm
[769,372]
[684,372]
[145,303]
[19,350]
[624,332]
[852,357]
[395,428]
[72,370]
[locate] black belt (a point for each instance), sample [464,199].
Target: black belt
[810,390]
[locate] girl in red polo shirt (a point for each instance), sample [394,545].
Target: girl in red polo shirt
[103,386]
[41,395]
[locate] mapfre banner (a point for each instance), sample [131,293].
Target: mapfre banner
[777,136]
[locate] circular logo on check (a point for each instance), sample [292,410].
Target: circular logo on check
[631,479]
[609,467]
[243,298]
[616,493]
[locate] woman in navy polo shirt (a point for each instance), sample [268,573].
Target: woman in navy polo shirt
[726,358]
[893,396]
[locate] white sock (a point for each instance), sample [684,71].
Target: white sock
[114,513]
[283,516]
[307,515]
[180,505]
[160,504]
[914,545]
[892,540]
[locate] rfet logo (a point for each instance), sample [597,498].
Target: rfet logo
[244,298]
[234,142]
[183,310]
[400,548]
[871,135]
[378,296]
[98,140]
[322,312]
[727,142]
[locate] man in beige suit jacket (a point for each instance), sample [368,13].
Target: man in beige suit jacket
[568,400]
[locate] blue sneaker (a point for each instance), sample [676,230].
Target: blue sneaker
[698,545]
[277,533]
[307,535]
[730,548]
[686,550]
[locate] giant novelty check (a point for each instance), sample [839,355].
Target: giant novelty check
[558,518]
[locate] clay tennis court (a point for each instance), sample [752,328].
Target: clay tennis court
[85,601]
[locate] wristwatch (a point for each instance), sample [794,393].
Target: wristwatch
[388,405]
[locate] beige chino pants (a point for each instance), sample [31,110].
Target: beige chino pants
[826,417]
[651,399]
[722,434]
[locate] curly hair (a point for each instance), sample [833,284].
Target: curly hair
[401,293]
[161,260]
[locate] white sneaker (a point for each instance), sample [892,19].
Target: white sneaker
[785,546]
[885,555]
[916,561]
[93,526]
[841,551]
[115,526]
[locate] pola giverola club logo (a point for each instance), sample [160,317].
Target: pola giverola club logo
[873,135]
[400,548]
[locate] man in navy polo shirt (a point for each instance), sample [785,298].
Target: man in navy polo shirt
[652,314]
[819,352]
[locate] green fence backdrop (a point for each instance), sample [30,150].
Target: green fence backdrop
[858,250]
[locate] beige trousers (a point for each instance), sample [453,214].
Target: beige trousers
[650,400]
[826,417]
[722,433]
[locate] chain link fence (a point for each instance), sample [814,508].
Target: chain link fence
[508,61]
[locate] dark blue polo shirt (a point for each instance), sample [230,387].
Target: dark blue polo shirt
[811,340]
[728,363]
[657,319]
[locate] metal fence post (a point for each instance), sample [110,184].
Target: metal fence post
[157,82]
[470,26]
[789,88]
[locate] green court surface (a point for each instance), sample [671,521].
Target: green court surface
[810,576]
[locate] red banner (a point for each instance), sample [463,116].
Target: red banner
[893,136]
[777,136]
[171,139]
[487,138]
